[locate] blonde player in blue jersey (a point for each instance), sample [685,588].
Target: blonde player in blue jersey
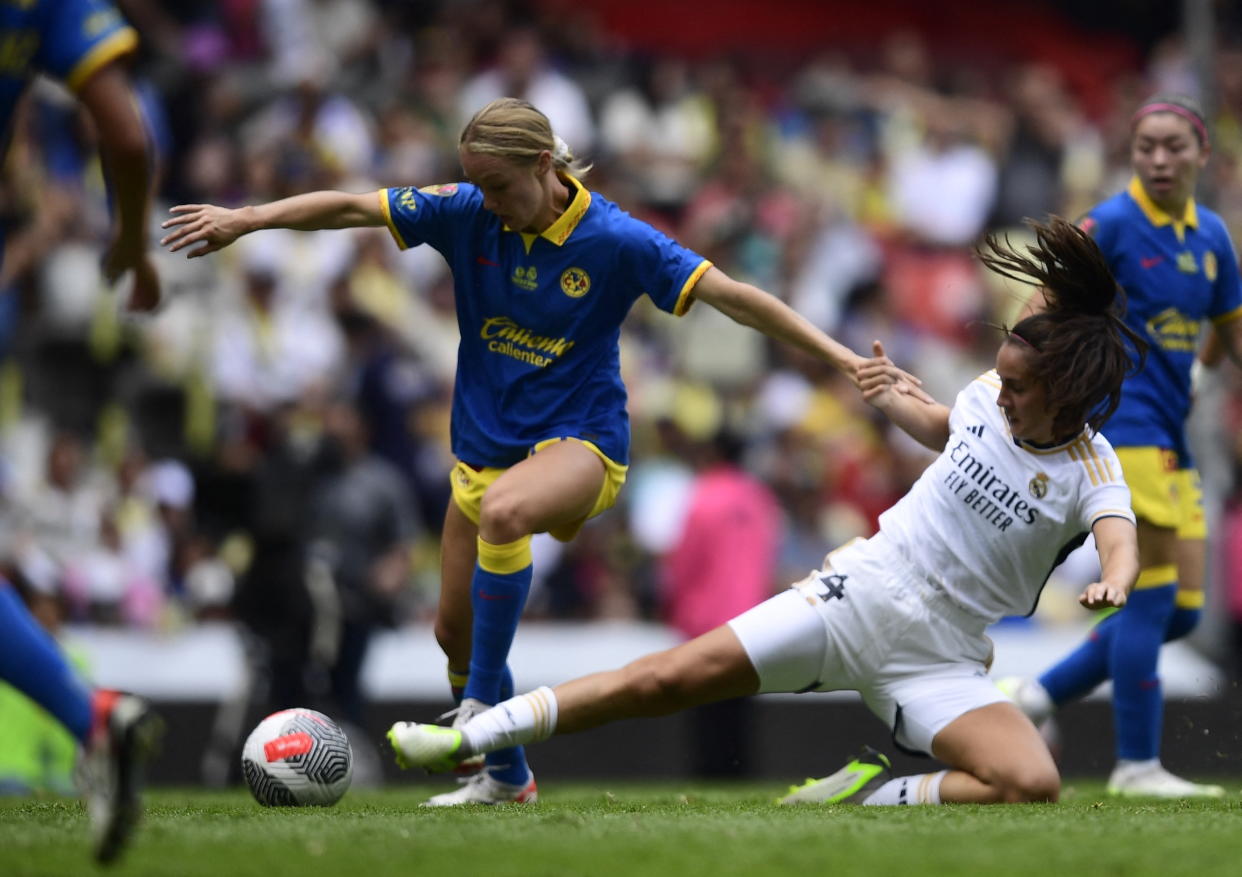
[1022,476]
[82,43]
[545,271]
[1178,267]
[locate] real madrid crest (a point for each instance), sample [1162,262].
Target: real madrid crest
[1039,485]
[575,282]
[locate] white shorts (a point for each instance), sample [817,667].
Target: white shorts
[869,623]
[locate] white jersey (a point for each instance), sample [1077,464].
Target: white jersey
[989,520]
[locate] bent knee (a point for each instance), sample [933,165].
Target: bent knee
[1037,785]
[504,512]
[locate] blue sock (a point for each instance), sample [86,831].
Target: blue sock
[498,595]
[32,663]
[1079,672]
[1138,705]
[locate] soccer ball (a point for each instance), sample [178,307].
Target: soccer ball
[297,758]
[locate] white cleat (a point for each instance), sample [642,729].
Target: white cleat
[483,789]
[852,784]
[1029,696]
[1153,781]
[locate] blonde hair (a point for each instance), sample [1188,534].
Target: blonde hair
[515,130]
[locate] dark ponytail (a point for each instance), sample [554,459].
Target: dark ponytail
[1081,348]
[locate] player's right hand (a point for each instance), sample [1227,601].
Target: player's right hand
[878,376]
[214,227]
[1102,595]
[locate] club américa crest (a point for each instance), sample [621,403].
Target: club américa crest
[575,282]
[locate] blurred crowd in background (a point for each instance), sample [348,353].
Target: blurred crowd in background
[273,446]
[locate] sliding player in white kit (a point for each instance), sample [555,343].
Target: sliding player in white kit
[1022,477]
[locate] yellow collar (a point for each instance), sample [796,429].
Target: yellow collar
[559,231]
[1156,215]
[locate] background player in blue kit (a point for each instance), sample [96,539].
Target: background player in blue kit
[544,271]
[1021,476]
[1178,267]
[81,42]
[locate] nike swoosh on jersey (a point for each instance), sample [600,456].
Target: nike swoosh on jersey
[1150,261]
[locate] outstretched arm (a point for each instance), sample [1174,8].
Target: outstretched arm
[216,227]
[751,306]
[124,149]
[1116,540]
[925,419]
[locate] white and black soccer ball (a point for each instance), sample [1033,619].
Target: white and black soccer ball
[297,758]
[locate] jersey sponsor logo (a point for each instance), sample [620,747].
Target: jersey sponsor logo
[1173,330]
[1186,262]
[575,282]
[443,190]
[975,483]
[1038,486]
[506,337]
[288,746]
[525,278]
[1147,262]
[1209,266]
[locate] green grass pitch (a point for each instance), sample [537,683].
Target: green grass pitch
[608,828]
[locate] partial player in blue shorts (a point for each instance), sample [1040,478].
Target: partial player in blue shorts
[545,272]
[81,43]
[1178,267]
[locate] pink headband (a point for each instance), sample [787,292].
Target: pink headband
[1013,334]
[1162,107]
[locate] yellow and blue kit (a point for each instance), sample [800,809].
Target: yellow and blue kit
[540,315]
[1177,272]
[68,40]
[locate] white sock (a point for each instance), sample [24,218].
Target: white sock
[527,718]
[923,788]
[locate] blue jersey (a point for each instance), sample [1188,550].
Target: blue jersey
[1176,272]
[540,315]
[66,39]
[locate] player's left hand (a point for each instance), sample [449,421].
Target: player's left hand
[1101,595]
[144,297]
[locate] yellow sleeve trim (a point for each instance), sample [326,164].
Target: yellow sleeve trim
[686,297]
[120,43]
[387,211]
[1228,316]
